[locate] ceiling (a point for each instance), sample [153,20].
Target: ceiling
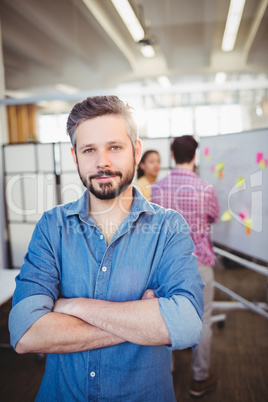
[87,47]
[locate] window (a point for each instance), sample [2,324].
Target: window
[52,128]
[182,121]
[206,120]
[158,123]
[230,119]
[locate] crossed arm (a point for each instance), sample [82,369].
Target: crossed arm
[82,324]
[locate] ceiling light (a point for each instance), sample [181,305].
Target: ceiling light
[232,24]
[220,78]
[128,16]
[146,48]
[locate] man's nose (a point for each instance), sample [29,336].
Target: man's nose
[103,160]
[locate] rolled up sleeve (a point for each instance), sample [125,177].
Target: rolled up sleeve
[25,313]
[37,285]
[180,290]
[182,321]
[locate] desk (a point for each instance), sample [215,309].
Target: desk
[7,283]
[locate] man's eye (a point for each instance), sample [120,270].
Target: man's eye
[115,147]
[88,150]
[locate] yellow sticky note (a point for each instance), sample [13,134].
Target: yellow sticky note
[262,164]
[240,182]
[248,223]
[226,216]
[219,166]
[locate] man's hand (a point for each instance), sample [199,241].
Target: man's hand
[148,294]
[63,306]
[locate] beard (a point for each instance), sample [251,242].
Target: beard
[108,191]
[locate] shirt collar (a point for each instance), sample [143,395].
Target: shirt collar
[80,207]
[185,172]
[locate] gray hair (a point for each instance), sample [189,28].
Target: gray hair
[98,106]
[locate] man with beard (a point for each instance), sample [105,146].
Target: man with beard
[110,285]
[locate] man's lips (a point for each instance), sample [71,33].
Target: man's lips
[103,178]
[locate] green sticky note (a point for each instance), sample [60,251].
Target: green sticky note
[219,166]
[240,182]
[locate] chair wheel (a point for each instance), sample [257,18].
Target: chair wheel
[221,324]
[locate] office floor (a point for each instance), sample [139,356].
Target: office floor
[239,350]
[239,356]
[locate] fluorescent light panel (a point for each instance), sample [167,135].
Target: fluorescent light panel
[128,16]
[232,24]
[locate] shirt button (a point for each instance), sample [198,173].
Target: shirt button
[104,269]
[92,374]
[101,237]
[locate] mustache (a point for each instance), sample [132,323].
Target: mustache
[108,173]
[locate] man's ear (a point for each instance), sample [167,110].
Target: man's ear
[138,151]
[74,157]
[141,165]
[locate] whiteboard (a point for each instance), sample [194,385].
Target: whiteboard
[237,166]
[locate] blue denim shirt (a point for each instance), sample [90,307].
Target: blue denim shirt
[152,249]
